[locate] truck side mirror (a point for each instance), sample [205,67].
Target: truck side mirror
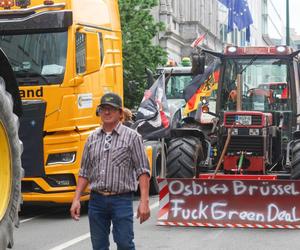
[78,80]
[198,64]
[150,78]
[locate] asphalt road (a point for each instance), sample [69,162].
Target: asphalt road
[51,228]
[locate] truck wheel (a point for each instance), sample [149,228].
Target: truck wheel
[295,174]
[183,155]
[10,168]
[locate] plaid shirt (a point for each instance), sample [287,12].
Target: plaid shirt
[118,168]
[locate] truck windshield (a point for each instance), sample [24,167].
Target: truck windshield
[176,85]
[264,84]
[36,59]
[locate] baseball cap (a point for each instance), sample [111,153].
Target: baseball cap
[111,99]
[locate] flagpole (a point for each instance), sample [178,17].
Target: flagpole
[287,23]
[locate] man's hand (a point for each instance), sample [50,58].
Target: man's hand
[75,209]
[233,95]
[143,211]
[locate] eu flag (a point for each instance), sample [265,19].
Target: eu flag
[238,14]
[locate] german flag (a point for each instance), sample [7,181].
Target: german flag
[201,86]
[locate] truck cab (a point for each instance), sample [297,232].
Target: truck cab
[65,55]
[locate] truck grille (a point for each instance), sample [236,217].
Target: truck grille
[256,119]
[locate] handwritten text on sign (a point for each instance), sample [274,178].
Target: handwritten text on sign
[223,201]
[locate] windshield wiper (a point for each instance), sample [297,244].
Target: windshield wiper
[278,62]
[27,73]
[246,66]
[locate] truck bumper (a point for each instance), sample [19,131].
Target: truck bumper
[39,190]
[63,198]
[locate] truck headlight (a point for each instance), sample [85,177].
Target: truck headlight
[61,158]
[235,131]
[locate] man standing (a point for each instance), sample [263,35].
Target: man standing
[113,159]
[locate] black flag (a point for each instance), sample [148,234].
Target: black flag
[153,119]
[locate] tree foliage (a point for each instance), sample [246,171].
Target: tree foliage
[138,30]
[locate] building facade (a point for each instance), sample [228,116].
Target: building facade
[185,20]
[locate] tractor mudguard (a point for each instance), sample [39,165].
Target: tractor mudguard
[231,201]
[184,132]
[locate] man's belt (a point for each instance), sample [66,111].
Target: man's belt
[105,193]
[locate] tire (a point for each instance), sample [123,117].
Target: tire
[154,188]
[156,169]
[156,165]
[182,157]
[10,168]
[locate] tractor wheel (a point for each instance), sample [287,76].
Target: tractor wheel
[295,174]
[182,157]
[10,168]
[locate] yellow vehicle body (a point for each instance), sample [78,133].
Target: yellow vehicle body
[70,80]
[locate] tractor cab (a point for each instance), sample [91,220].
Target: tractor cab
[256,103]
[257,90]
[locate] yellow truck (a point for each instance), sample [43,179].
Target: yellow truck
[65,54]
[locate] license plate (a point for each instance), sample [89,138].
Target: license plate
[243,119]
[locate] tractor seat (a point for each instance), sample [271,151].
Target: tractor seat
[266,94]
[261,98]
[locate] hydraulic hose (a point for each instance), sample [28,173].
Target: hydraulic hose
[241,161]
[224,151]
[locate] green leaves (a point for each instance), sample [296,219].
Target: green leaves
[138,30]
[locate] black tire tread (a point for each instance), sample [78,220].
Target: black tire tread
[182,157]
[296,147]
[10,121]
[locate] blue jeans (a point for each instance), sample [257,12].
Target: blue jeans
[116,209]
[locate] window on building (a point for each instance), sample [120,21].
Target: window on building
[174,25]
[264,21]
[202,11]
[243,38]
[223,33]
[80,52]
[234,36]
